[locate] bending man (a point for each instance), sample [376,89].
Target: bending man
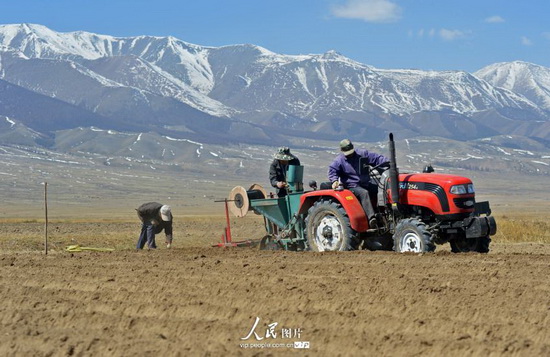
[154,218]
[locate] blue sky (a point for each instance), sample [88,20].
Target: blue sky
[423,34]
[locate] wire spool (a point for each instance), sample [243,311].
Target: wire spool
[256,187]
[239,199]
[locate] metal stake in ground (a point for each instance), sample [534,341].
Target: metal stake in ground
[46,217]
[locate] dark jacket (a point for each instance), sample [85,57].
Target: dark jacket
[277,172]
[347,168]
[150,212]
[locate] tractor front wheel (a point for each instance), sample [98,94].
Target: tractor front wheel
[328,228]
[411,235]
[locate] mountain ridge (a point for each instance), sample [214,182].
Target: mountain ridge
[246,93]
[528,79]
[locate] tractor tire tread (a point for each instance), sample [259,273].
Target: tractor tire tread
[419,227]
[351,240]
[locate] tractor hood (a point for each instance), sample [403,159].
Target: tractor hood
[443,180]
[443,194]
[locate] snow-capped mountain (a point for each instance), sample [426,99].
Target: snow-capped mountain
[333,84]
[527,79]
[246,92]
[458,91]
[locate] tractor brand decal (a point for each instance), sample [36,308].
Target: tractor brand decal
[408,186]
[349,198]
[272,333]
[430,187]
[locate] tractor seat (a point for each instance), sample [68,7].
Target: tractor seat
[327,185]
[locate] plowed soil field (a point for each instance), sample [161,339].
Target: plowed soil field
[195,299]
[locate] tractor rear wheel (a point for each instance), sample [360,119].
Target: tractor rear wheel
[411,235]
[464,245]
[328,228]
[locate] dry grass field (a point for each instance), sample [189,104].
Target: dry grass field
[203,230]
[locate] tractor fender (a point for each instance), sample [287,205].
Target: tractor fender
[346,198]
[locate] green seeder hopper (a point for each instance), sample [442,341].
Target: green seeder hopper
[284,224]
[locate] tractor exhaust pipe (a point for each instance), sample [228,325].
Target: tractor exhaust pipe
[394,175]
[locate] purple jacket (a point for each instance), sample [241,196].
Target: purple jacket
[347,169]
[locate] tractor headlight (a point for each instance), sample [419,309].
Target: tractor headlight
[471,188]
[459,189]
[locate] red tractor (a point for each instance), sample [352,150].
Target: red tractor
[415,212]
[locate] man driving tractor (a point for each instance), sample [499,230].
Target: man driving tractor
[346,171]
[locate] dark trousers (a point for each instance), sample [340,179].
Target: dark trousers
[363,195]
[147,235]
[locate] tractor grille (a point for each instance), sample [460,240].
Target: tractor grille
[465,203]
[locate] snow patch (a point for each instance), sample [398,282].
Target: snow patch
[246,80]
[10,121]
[524,152]
[183,140]
[475,157]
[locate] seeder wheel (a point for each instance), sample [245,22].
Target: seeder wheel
[260,191]
[269,242]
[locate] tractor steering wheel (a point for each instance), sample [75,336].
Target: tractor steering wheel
[378,166]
